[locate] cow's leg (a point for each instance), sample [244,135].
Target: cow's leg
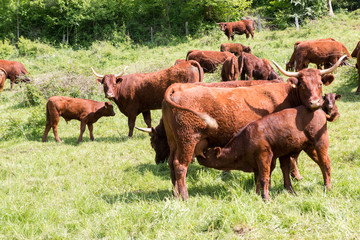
[294,169]
[131,124]
[321,157]
[54,121]
[147,118]
[82,130]
[247,35]
[12,81]
[285,168]
[264,164]
[249,74]
[358,89]
[91,127]
[47,129]
[257,181]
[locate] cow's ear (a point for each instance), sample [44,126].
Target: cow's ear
[293,81]
[217,151]
[119,80]
[100,80]
[327,79]
[338,96]
[107,104]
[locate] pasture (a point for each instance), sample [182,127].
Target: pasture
[112,189]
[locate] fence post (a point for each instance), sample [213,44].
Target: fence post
[152,34]
[186,28]
[296,22]
[259,23]
[227,18]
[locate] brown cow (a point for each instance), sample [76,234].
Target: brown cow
[141,92]
[255,67]
[188,133]
[240,27]
[2,78]
[356,53]
[256,147]
[332,114]
[234,48]
[85,110]
[318,52]
[15,70]
[208,60]
[230,69]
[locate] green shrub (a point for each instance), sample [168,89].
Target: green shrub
[6,49]
[33,96]
[33,48]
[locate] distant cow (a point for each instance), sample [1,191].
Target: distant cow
[141,92]
[241,27]
[255,68]
[197,117]
[324,51]
[2,78]
[85,110]
[15,70]
[356,53]
[256,147]
[234,48]
[208,60]
[230,69]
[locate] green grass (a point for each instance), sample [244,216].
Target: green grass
[112,189]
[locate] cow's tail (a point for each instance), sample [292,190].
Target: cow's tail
[48,113]
[200,69]
[3,70]
[209,121]
[241,63]
[187,55]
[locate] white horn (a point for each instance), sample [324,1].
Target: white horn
[122,73]
[148,130]
[98,75]
[286,73]
[329,70]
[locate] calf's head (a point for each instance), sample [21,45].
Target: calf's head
[109,82]
[329,106]
[309,83]
[107,110]
[222,25]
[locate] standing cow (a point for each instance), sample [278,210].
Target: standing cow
[14,70]
[208,60]
[255,67]
[356,53]
[240,27]
[141,92]
[191,112]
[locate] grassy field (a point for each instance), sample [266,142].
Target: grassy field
[112,189]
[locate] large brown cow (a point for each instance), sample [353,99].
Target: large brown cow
[208,60]
[2,78]
[256,147]
[141,92]
[234,48]
[356,53]
[324,51]
[188,111]
[240,27]
[255,67]
[15,70]
[85,110]
[230,69]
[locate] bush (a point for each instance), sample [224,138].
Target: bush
[6,49]
[33,96]
[33,48]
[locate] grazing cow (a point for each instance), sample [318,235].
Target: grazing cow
[240,27]
[208,60]
[356,53]
[255,67]
[14,70]
[190,113]
[2,78]
[234,48]
[141,92]
[256,147]
[230,69]
[318,52]
[332,114]
[85,110]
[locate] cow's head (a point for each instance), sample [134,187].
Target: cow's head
[222,25]
[356,50]
[107,110]
[246,49]
[109,82]
[158,142]
[309,83]
[329,106]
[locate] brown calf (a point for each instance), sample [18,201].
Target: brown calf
[240,27]
[256,147]
[234,48]
[85,110]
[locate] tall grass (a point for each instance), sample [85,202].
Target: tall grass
[112,189]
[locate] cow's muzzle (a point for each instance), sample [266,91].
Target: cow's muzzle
[316,104]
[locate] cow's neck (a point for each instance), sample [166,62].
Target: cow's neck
[294,97]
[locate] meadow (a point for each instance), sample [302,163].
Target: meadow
[111,188]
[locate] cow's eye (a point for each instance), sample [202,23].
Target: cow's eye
[320,85]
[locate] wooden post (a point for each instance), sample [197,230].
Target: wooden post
[186,28]
[259,23]
[152,34]
[17,21]
[296,22]
[228,18]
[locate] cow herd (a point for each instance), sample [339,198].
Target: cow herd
[227,125]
